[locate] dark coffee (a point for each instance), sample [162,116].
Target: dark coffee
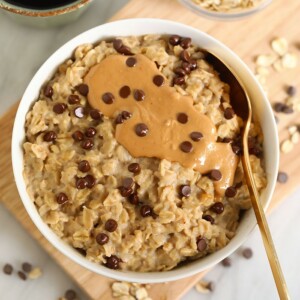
[40,4]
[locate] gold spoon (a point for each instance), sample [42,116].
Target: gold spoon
[240,102]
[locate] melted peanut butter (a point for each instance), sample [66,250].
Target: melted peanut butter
[159,111]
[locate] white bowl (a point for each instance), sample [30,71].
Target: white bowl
[262,110]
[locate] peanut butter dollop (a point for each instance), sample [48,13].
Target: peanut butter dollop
[158,109]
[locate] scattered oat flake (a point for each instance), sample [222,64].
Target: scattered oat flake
[203,287]
[289,61]
[35,273]
[280,46]
[295,137]
[262,71]
[265,60]
[292,129]
[287,146]
[129,291]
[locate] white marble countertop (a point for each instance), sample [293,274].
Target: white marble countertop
[23,50]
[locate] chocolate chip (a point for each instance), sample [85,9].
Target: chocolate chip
[79,112]
[226,262]
[185,42]
[111,225]
[81,251]
[121,48]
[186,147]
[8,269]
[182,118]
[134,199]
[95,114]
[82,89]
[131,62]
[236,149]
[291,90]
[180,72]
[102,238]
[158,80]
[146,211]
[196,136]
[73,99]
[208,218]
[185,56]
[26,267]
[81,183]
[218,208]
[238,185]
[282,177]
[50,136]
[59,108]
[278,106]
[287,110]
[125,192]
[230,192]
[22,275]
[247,253]
[117,44]
[193,64]
[108,98]
[84,166]
[124,91]
[119,119]
[186,66]
[185,190]
[201,244]
[87,144]
[62,198]
[210,286]
[70,295]
[90,181]
[90,132]
[112,262]
[123,116]
[134,168]
[255,151]
[128,182]
[139,95]
[174,40]
[141,129]
[228,113]
[48,91]
[78,136]
[178,81]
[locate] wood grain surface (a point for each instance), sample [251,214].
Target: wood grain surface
[247,38]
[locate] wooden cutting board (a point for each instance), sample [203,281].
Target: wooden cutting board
[247,38]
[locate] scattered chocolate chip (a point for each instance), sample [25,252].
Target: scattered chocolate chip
[81,183]
[201,244]
[208,218]
[87,144]
[61,198]
[26,267]
[111,225]
[73,99]
[79,112]
[247,253]
[228,113]
[112,262]
[90,181]
[182,118]
[226,262]
[174,40]
[185,56]
[282,177]
[180,72]
[146,211]
[291,90]
[108,98]
[8,269]
[78,136]
[48,91]
[131,62]
[59,108]
[186,66]
[141,129]
[278,106]
[287,110]
[139,95]
[186,147]
[218,208]
[84,166]
[102,238]
[50,136]
[134,199]
[178,81]
[185,190]
[22,275]
[125,192]
[124,91]
[193,64]
[82,89]
[90,132]
[185,42]
[158,80]
[127,182]
[196,136]
[70,295]
[134,168]
[230,192]
[95,114]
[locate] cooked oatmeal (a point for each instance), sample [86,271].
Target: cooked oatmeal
[96,187]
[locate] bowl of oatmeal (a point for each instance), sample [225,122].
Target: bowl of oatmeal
[126,151]
[226,10]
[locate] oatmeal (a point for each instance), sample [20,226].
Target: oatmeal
[132,154]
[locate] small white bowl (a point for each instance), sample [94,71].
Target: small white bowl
[262,110]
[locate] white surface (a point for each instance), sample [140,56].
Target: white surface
[26,48]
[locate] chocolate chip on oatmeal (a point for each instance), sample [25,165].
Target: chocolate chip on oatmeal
[128,182]
[196,136]
[193,64]
[48,91]
[87,144]
[282,177]
[287,110]
[79,112]
[102,238]
[185,190]
[174,40]
[291,90]
[226,262]
[239,184]
[82,89]
[78,136]
[131,62]
[185,42]
[73,99]
[59,108]
[111,225]
[134,199]
[81,251]
[70,295]
[158,80]
[90,181]
[218,208]
[90,132]
[236,148]
[186,66]
[95,114]
[81,183]
[50,136]
[117,44]
[186,147]
[121,48]
[278,106]
[26,267]
[178,80]
[228,113]
[208,218]
[22,275]
[108,98]
[125,192]
[134,168]
[124,91]
[84,166]
[141,129]
[247,253]
[230,192]
[201,244]
[8,269]
[112,262]
[180,72]
[146,211]
[255,150]
[62,198]
[139,95]
[185,56]
[182,118]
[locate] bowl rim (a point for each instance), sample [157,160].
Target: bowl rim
[27,12]
[154,26]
